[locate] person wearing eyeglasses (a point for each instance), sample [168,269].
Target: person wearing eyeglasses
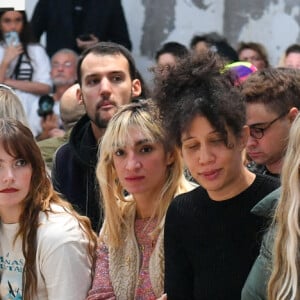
[272,103]
[63,75]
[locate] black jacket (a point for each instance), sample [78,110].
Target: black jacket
[104,18]
[73,172]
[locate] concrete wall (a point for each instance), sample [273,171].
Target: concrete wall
[275,23]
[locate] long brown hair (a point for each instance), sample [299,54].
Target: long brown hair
[19,142]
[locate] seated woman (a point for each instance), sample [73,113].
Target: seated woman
[136,159]
[275,273]
[211,237]
[46,248]
[24,64]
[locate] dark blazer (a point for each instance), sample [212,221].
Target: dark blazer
[104,18]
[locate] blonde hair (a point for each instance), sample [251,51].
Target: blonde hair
[145,117]
[284,281]
[10,105]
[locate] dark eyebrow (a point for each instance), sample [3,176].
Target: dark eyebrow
[258,124]
[141,142]
[192,137]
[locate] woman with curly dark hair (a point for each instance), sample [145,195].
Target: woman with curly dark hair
[46,249]
[211,238]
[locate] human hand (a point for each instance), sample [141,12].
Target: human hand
[11,52]
[163,297]
[56,132]
[86,44]
[48,123]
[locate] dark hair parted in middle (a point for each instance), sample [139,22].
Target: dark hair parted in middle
[199,85]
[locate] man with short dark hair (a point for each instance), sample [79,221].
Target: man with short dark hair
[272,103]
[168,55]
[108,78]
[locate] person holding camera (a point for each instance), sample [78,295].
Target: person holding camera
[24,66]
[63,75]
[79,24]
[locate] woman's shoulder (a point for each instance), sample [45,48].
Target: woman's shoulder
[59,225]
[36,50]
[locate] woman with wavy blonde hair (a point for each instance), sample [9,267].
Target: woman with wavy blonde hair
[284,281]
[139,171]
[46,248]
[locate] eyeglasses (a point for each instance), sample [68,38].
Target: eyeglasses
[66,64]
[258,132]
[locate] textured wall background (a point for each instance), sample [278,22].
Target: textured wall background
[275,23]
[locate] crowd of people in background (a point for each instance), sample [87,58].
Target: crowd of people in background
[110,189]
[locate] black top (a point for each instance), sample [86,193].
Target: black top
[73,173]
[64,20]
[210,245]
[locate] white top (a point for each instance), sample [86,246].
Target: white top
[41,73]
[63,267]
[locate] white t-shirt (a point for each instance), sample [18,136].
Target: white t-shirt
[63,266]
[41,66]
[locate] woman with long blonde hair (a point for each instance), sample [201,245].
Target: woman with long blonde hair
[46,248]
[275,273]
[284,281]
[139,172]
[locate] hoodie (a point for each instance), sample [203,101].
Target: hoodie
[73,173]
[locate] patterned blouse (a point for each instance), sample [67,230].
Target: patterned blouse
[102,287]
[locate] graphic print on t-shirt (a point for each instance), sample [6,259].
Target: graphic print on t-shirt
[11,269]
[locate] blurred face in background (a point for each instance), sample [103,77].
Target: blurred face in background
[11,21]
[165,62]
[292,60]
[63,69]
[252,56]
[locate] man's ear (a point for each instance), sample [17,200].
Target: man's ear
[292,114]
[136,88]
[245,133]
[79,96]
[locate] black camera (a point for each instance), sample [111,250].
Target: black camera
[46,104]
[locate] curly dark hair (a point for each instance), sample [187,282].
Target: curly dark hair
[199,85]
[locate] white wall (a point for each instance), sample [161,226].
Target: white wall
[275,23]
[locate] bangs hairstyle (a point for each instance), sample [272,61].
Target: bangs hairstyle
[18,142]
[143,116]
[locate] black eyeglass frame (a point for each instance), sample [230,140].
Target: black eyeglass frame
[260,132]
